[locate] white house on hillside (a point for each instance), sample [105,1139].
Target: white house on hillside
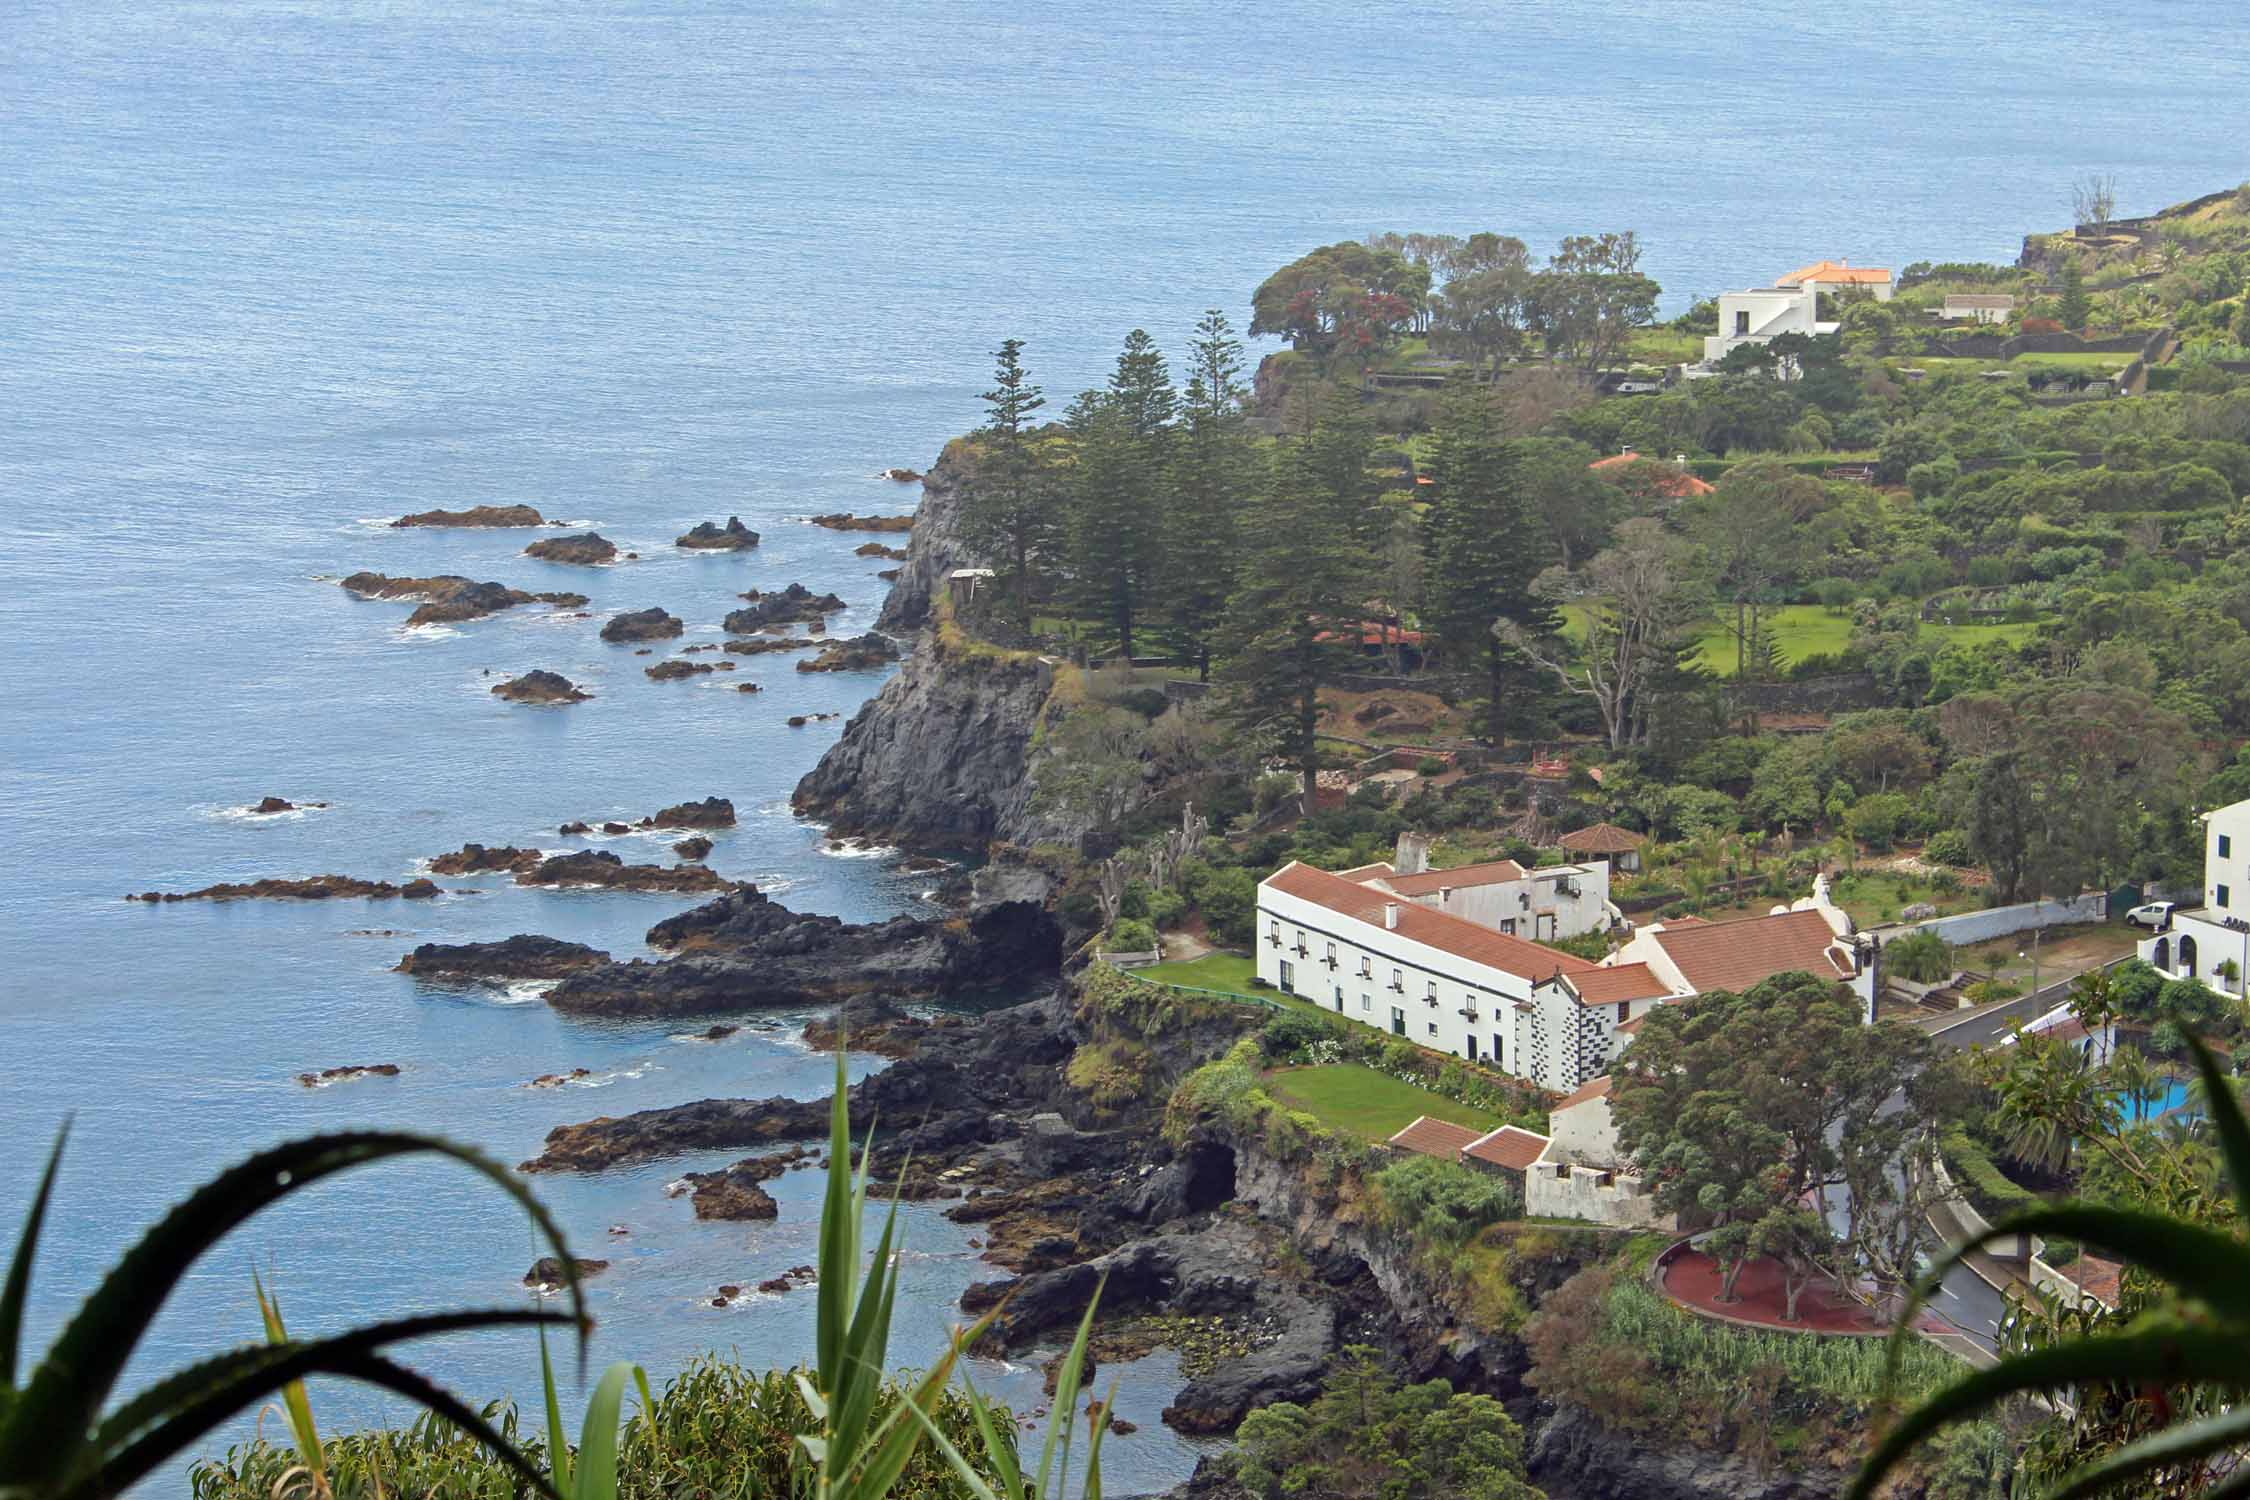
[1759,314]
[1977,307]
[1581,1174]
[1838,275]
[2206,942]
[1554,901]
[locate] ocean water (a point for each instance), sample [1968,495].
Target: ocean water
[274,271]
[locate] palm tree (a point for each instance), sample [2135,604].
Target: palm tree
[2131,1074]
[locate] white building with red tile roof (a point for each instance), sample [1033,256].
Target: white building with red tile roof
[1580,1173]
[1814,936]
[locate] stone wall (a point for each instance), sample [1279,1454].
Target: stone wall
[2002,921]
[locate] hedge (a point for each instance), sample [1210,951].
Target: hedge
[1988,1189]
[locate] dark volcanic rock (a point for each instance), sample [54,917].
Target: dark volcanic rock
[694,848]
[346,1074]
[846,521]
[861,655]
[541,686]
[711,812]
[599,867]
[871,1023]
[270,805]
[748,687]
[903,476]
[674,670]
[312,888]
[587,548]
[709,537]
[524,956]
[475,516]
[448,598]
[878,549]
[771,610]
[733,1192]
[1575,1453]
[476,859]
[548,1271]
[760,646]
[651,624]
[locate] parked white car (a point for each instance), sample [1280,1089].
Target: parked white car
[2155,916]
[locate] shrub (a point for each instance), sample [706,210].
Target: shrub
[2041,325]
[1290,1033]
[1431,765]
[1986,991]
[1988,1189]
[1165,906]
[1227,898]
[1877,821]
[1949,846]
[1130,935]
[1443,1202]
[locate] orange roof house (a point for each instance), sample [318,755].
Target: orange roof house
[1839,273]
[1669,481]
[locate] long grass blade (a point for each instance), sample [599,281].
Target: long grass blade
[1091,1489]
[1061,1418]
[294,1401]
[17,1288]
[2168,1354]
[838,1259]
[75,1380]
[558,1436]
[965,1471]
[2226,1120]
[165,1443]
[597,1438]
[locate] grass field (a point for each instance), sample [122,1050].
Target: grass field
[1802,630]
[1368,1104]
[1227,972]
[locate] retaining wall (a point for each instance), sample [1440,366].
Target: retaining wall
[2001,921]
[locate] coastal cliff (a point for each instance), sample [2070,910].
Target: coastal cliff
[941,759]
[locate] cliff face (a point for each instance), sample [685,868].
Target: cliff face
[935,548]
[1574,1455]
[940,759]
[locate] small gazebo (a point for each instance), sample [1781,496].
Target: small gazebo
[1607,842]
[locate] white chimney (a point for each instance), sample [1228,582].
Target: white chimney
[1390,915]
[1413,854]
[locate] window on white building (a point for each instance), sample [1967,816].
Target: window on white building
[1288,975]
[2226,846]
[1398,980]
[1433,1028]
[1331,955]
[1366,967]
[2222,895]
[1273,933]
[1366,1002]
[1398,1021]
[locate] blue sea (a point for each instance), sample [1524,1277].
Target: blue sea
[275,271]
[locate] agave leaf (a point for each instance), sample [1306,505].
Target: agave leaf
[2226,1121]
[2172,1445]
[648,1410]
[886,1453]
[161,1401]
[813,1403]
[597,1437]
[558,1436]
[999,1452]
[962,1468]
[1060,1419]
[194,1418]
[18,1285]
[838,1258]
[293,1398]
[63,1396]
[1092,1488]
[2162,1354]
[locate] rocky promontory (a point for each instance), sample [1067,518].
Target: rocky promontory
[710,812]
[524,956]
[706,536]
[775,608]
[734,1192]
[475,516]
[541,686]
[586,549]
[652,624]
[844,520]
[477,859]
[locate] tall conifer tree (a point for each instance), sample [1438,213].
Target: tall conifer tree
[1124,438]
[1009,511]
[1214,467]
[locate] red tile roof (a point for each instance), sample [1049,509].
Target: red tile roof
[1510,1146]
[1592,1088]
[1617,982]
[1834,272]
[1674,484]
[1602,838]
[1421,924]
[2096,1277]
[1736,955]
[1492,872]
[1434,1137]
[1381,868]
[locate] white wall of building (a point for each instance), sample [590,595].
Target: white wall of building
[1756,314]
[1563,1190]
[1586,1131]
[1558,902]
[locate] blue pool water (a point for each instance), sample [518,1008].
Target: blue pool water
[272,271]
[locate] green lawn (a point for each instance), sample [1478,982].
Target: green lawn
[1802,630]
[1371,1105]
[1229,972]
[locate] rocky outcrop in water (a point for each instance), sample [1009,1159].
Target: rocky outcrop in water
[546,1272]
[268,806]
[775,608]
[675,669]
[449,599]
[475,516]
[902,476]
[706,536]
[347,1074]
[587,549]
[844,520]
[734,1192]
[599,867]
[711,812]
[541,686]
[476,859]
[651,624]
[312,888]
[863,654]
[762,645]
[695,848]
[878,549]
[524,956]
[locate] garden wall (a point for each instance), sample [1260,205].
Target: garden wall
[2000,921]
[1811,695]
